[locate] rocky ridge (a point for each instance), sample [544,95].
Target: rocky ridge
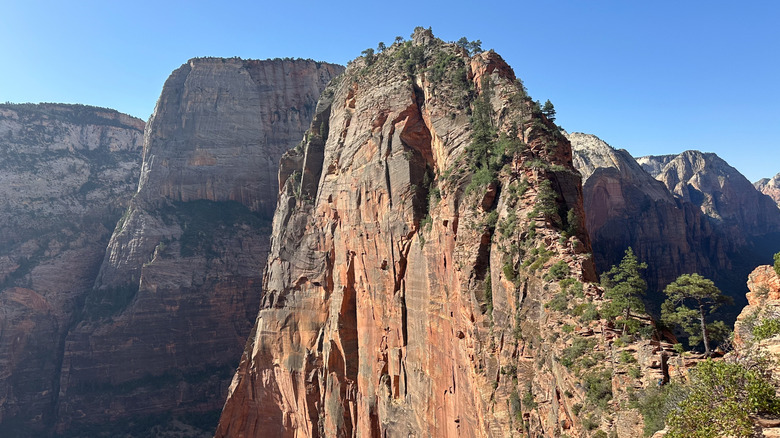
[426,266]
[67,172]
[719,190]
[176,295]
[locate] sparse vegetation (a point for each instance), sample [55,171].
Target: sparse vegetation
[765,329]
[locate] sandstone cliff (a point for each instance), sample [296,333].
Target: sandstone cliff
[625,206]
[67,173]
[425,266]
[162,331]
[770,187]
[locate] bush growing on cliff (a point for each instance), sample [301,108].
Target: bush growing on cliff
[721,398]
[767,328]
[777,263]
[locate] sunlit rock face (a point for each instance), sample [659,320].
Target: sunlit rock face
[179,285]
[394,298]
[770,187]
[67,172]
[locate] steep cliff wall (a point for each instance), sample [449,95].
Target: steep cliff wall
[770,187]
[424,265]
[67,172]
[625,206]
[162,331]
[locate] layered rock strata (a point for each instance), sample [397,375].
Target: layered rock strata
[67,172]
[748,220]
[164,327]
[416,251]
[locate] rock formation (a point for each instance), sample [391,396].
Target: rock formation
[424,265]
[625,206]
[162,330]
[745,218]
[67,172]
[770,187]
[719,190]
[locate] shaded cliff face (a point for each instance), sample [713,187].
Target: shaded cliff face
[67,172]
[745,218]
[162,331]
[625,206]
[770,187]
[405,290]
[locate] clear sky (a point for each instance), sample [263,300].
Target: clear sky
[653,77]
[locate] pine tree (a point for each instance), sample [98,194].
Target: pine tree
[690,298]
[624,288]
[549,110]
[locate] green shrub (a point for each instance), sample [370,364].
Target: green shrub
[528,399]
[591,313]
[655,403]
[721,398]
[576,350]
[515,406]
[598,387]
[591,422]
[627,357]
[558,271]
[777,263]
[635,372]
[766,329]
[559,303]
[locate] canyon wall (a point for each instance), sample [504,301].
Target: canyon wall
[770,187]
[163,328]
[67,172]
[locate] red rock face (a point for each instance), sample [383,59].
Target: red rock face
[164,327]
[378,317]
[763,302]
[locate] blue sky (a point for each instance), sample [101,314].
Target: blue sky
[651,77]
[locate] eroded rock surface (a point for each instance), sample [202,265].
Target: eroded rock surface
[405,290]
[67,172]
[179,287]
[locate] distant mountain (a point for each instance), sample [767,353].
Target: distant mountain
[719,190]
[625,206]
[770,187]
